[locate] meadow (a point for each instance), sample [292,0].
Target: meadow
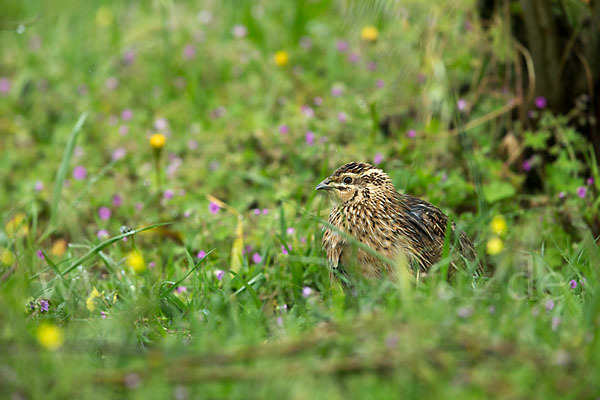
[160,235]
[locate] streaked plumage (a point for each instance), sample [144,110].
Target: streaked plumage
[395,225]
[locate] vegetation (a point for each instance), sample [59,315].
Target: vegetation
[160,234]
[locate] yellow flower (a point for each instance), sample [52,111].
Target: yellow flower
[494,245]
[369,33]
[17,226]
[136,261]
[58,247]
[281,58]
[498,225]
[89,303]
[50,336]
[6,256]
[157,140]
[104,17]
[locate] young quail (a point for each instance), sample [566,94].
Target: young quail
[395,225]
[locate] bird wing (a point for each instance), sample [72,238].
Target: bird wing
[427,219]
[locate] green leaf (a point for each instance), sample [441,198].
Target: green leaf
[496,191]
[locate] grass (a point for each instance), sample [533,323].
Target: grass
[96,306]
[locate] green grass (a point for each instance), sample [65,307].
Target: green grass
[175,330]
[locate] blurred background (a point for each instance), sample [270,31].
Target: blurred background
[220,117]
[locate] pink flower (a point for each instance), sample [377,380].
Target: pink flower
[104,213]
[555,323]
[161,124]
[79,173]
[219,274]
[256,211]
[550,305]
[562,195]
[256,258]
[126,114]
[411,134]
[526,165]
[284,250]
[573,284]
[129,57]
[310,138]
[353,58]
[240,31]
[337,91]
[39,186]
[283,129]
[342,46]
[265,211]
[123,129]
[5,85]
[372,66]
[461,104]
[590,181]
[139,206]
[189,52]
[378,158]
[540,102]
[119,153]
[317,101]
[309,112]
[380,83]
[168,194]
[192,144]
[151,264]
[581,191]
[111,83]
[290,231]
[213,208]
[40,254]
[117,200]
[103,314]
[102,233]
[181,289]
[306,291]
[342,117]
[201,254]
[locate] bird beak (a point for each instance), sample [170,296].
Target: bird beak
[324,185]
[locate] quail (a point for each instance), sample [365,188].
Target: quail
[370,210]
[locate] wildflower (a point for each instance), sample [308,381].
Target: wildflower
[265,211]
[201,254]
[550,305]
[465,312]
[380,83]
[117,200]
[498,225]
[103,314]
[219,112]
[256,211]
[279,321]
[562,195]
[526,165]
[219,274]
[181,289]
[102,233]
[555,323]
[341,45]
[590,181]
[372,66]
[89,303]
[290,231]
[310,138]
[129,57]
[337,91]
[573,284]
[132,380]
[281,58]
[79,173]
[123,130]
[168,194]
[309,112]
[151,264]
[256,258]
[581,191]
[126,114]
[5,85]
[306,291]
[160,124]
[39,186]
[494,246]
[540,102]
[378,158]
[136,261]
[6,256]
[342,117]
[58,247]
[204,16]
[461,104]
[189,52]
[353,58]
[411,134]
[391,340]
[213,208]
[239,31]
[369,33]
[283,129]
[119,153]
[40,254]
[50,336]
[104,213]
[157,141]
[192,144]
[44,305]
[111,83]
[284,250]
[317,101]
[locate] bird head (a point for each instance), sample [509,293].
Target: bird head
[355,181]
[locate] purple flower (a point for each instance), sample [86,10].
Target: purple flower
[219,274]
[117,200]
[219,112]
[283,129]
[103,314]
[201,254]
[310,138]
[378,158]
[341,46]
[309,112]
[119,153]
[290,231]
[168,194]
[526,165]
[353,58]
[129,57]
[40,254]
[111,83]
[102,233]
[342,117]
[123,130]
[256,211]
[411,134]
[465,312]
[151,264]
[192,144]
[104,213]
[279,321]
[562,195]
[189,52]
[337,91]
[160,124]
[265,211]
[550,305]
[555,323]
[240,31]
[573,284]
[139,206]
[44,305]
[284,250]
[79,172]
[126,114]
[317,101]
[306,291]
[39,186]
[213,208]
[590,181]
[4,85]
[540,102]
[181,289]
[380,83]
[461,104]
[256,258]
[372,66]
[581,191]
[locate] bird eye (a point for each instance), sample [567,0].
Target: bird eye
[347,180]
